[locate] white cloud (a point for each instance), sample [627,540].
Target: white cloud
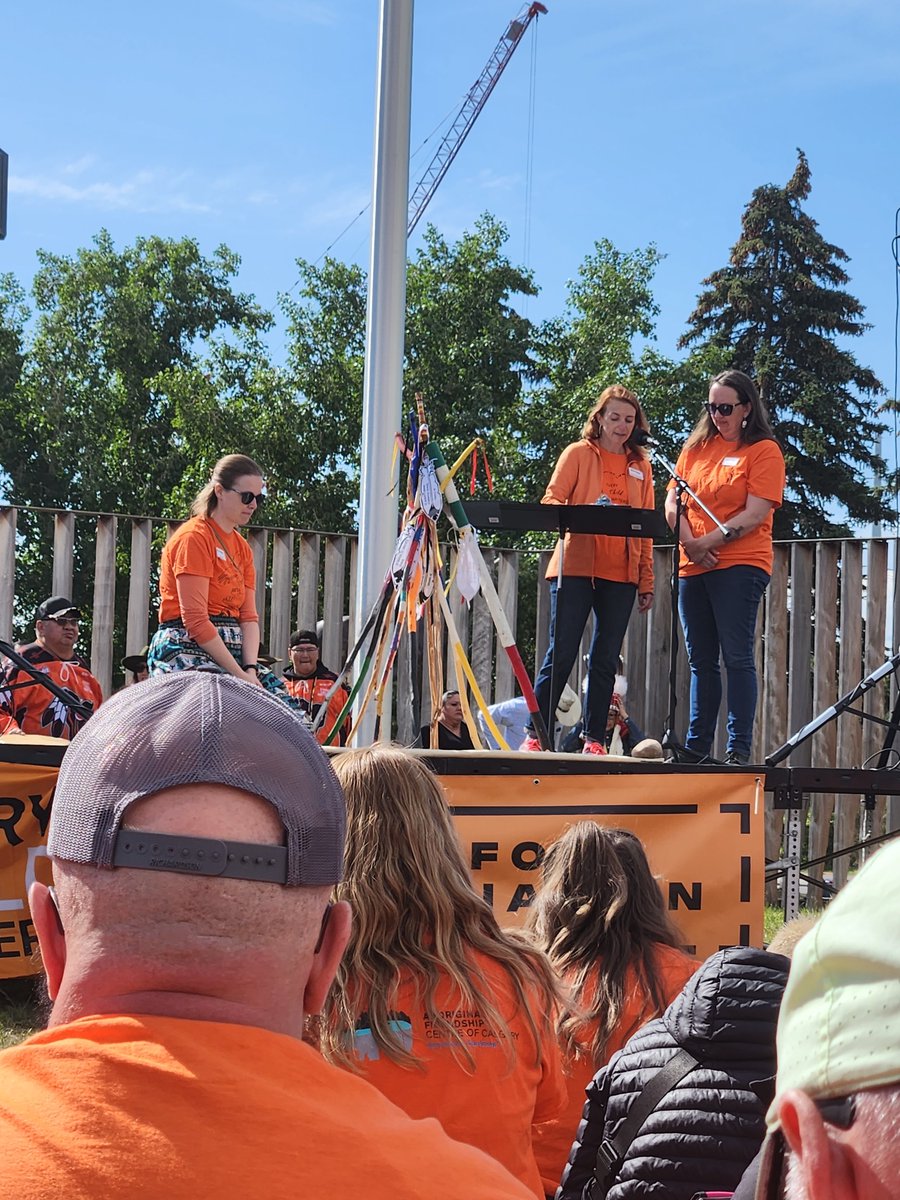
[295,12]
[144,191]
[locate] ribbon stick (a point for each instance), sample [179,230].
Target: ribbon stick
[504,632]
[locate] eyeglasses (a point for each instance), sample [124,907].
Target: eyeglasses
[65,622]
[249,497]
[725,409]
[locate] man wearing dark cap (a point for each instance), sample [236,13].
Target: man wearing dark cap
[26,706]
[310,682]
[196,836]
[137,665]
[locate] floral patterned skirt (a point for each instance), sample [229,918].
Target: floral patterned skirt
[173,649]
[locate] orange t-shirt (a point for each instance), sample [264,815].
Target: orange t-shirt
[33,708]
[138,1107]
[312,692]
[226,561]
[553,1140]
[586,474]
[724,474]
[495,1108]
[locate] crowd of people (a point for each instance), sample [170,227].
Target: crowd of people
[270,975]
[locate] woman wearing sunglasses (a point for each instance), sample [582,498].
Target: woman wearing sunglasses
[207,617]
[734,464]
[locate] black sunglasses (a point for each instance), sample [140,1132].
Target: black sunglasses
[248,497]
[725,409]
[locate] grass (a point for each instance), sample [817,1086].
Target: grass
[773,919]
[20,1010]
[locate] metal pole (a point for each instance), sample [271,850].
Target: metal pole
[385,312]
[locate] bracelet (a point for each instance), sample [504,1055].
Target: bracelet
[251,667]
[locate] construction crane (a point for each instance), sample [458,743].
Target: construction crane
[468,113]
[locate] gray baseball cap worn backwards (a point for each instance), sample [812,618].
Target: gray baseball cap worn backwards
[192,727]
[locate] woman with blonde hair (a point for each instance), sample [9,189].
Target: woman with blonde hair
[443,1011]
[600,917]
[207,582]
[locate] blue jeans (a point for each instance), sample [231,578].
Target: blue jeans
[718,613]
[570,607]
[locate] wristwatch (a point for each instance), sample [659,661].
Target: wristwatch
[727,532]
[252,667]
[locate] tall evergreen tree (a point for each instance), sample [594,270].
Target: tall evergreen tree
[781,309]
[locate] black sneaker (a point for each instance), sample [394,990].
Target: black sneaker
[693,757]
[733,759]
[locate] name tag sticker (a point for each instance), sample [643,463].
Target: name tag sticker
[636,472]
[731,462]
[220,553]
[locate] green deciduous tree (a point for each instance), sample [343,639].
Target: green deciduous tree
[603,338]
[781,312]
[90,424]
[467,347]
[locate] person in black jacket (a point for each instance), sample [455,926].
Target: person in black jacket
[706,1128]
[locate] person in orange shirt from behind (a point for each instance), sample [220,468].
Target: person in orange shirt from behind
[600,916]
[446,1013]
[26,706]
[196,835]
[308,681]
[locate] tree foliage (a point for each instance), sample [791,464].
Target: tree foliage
[781,310]
[604,337]
[90,423]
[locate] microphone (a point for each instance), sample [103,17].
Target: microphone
[642,438]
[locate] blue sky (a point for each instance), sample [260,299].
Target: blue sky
[250,122]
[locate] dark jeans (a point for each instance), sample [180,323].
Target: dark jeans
[570,607]
[718,613]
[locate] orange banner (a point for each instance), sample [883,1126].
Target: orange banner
[26,790]
[704,835]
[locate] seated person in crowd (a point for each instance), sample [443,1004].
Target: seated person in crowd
[681,1108]
[511,717]
[309,682]
[196,835]
[452,731]
[834,1125]
[136,666]
[26,706]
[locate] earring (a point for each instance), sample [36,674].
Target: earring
[744,423]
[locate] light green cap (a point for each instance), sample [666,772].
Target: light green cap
[839,1025]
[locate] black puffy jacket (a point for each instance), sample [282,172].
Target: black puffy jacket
[704,1131]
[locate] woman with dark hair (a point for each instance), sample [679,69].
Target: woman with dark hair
[446,1013]
[734,464]
[207,583]
[600,574]
[600,917]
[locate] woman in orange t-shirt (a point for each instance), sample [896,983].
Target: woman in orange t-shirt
[600,916]
[734,464]
[207,615]
[443,1011]
[600,574]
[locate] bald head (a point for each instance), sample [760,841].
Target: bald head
[185,945]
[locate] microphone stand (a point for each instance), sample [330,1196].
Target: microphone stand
[670,742]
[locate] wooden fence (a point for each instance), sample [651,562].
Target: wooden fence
[830,616]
